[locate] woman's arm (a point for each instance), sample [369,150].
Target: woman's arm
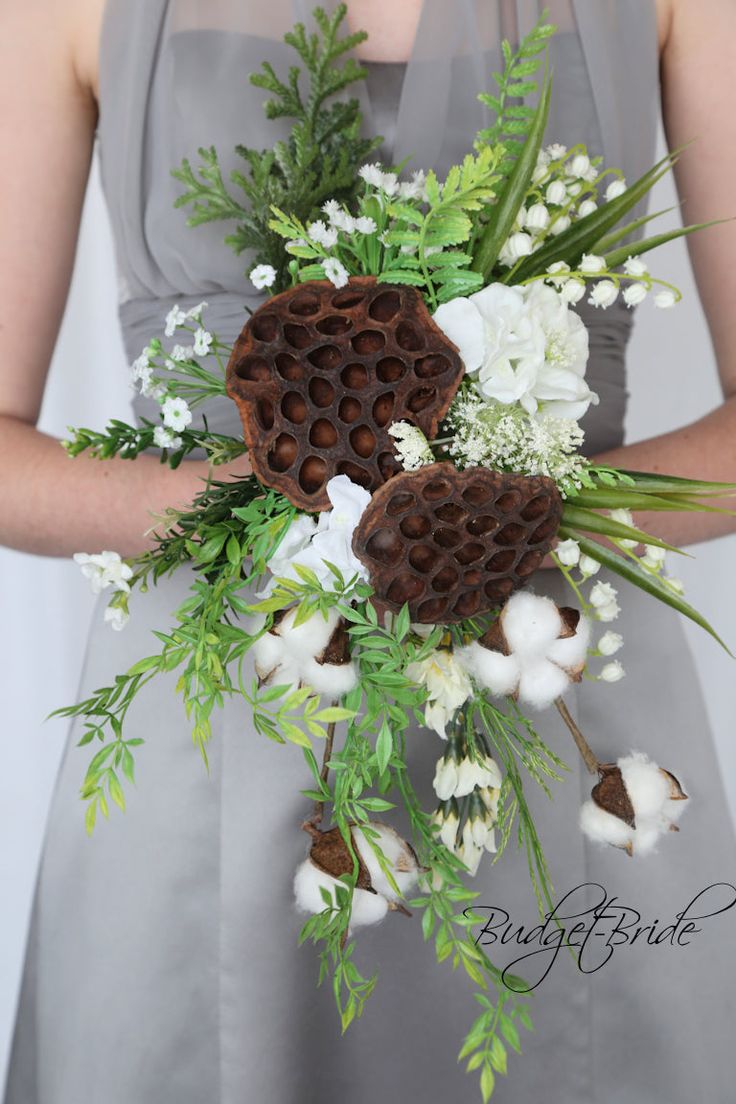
[697,59]
[51,504]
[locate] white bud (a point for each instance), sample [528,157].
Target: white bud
[568,552]
[610,643]
[579,165]
[572,291]
[612,672]
[615,189]
[665,299]
[556,193]
[634,294]
[634,266]
[536,217]
[591,264]
[587,207]
[588,566]
[653,556]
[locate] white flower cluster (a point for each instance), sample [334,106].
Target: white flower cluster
[108,569]
[295,654]
[540,658]
[315,544]
[389,184]
[605,291]
[448,687]
[368,907]
[657,801]
[478,834]
[506,438]
[522,345]
[411,446]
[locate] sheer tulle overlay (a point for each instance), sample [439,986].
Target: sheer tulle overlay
[162,963]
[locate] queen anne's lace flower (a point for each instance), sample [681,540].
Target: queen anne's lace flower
[411,445]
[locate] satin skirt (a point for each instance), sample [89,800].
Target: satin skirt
[163,967]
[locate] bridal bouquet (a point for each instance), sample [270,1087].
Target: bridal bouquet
[410,394]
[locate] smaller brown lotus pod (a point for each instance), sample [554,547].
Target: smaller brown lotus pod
[320,373]
[453,544]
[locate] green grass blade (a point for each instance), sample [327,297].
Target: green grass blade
[624,498]
[618,256]
[585,232]
[650,584]
[620,232]
[675,484]
[574,517]
[505,210]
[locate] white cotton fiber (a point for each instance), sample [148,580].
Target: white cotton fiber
[307,882]
[268,653]
[541,682]
[368,908]
[646,837]
[492,670]
[603,827]
[571,651]
[307,640]
[648,788]
[530,623]
[329,678]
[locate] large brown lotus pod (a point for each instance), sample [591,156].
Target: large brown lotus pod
[319,374]
[452,543]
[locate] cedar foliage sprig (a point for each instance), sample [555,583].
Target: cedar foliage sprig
[318,160]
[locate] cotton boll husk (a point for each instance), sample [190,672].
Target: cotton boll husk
[647,787]
[329,678]
[494,671]
[530,623]
[307,640]
[398,856]
[541,682]
[571,651]
[603,827]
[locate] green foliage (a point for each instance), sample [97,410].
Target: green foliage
[318,161]
[514,118]
[127,441]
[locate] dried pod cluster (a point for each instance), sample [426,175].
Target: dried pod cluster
[455,543]
[320,373]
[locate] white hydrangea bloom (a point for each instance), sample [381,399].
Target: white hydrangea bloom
[522,345]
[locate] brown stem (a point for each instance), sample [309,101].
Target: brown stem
[582,744]
[310,825]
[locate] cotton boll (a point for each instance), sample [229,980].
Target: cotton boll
[399,856]
[541,683]
[287,674]
[307,640]
[530,623]
[307,882]
[603,827]
[268,653]
[646,837]
[570,651]
[368,908]
[647,787]
[494,671]
[329,678]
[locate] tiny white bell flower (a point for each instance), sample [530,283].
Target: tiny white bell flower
[587,207]
[615,189]
[588,566]
[574,189]
[568,552]
[518,245]
[603,294]
[579,165]
[558,271]
[556,151]
[634,294]
[560,225]
[612,672]
[665,299]
[445,779]
[572,291]
[635,266]
[591,264]
[610,643]
[653,557]
[556,193]
[675,584]
[536,217]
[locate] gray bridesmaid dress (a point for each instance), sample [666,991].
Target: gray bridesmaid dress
[162,963]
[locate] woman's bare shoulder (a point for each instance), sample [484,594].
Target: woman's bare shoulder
[65,32]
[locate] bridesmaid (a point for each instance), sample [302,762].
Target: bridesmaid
[159,969]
